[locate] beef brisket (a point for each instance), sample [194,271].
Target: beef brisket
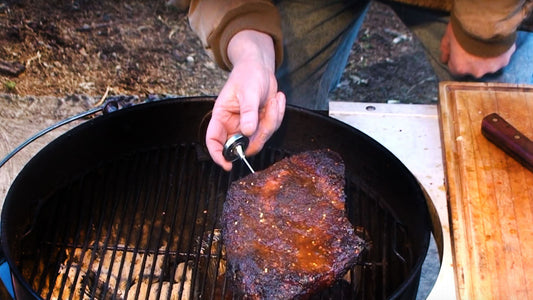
[285,228]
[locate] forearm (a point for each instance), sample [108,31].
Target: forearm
[251,45]
[217,21]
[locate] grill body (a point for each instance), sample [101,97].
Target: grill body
[135,191]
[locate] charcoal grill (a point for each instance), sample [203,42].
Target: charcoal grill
[135,191]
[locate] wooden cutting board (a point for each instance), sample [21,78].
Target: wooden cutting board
[490,194]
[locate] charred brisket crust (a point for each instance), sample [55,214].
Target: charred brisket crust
[285,228]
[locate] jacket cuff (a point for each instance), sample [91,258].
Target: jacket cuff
[254,16]
[483,48]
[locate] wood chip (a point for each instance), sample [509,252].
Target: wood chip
[11,68]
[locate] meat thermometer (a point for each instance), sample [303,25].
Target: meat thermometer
[234,149]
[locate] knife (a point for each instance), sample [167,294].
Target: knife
[509,139]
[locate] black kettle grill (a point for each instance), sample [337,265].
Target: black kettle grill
[129,203]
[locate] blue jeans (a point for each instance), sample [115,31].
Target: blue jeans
[520,68]
[318,36]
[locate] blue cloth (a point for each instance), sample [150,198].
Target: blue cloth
[318,39]
[318,36]
[520,68]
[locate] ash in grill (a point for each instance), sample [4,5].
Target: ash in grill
[147,224]
[87,275]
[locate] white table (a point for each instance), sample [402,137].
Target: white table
[412,134]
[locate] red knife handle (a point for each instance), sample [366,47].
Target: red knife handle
[509,139]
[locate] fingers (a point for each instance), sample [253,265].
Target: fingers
[215,138]
[463,64]
[281,100]
[224,121]
[269,122]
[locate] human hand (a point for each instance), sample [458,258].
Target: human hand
[249,103]
[461,63]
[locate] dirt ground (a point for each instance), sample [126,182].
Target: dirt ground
[62,48]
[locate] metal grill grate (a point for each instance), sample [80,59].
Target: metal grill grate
[146,223]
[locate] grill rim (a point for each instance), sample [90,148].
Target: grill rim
[277,140]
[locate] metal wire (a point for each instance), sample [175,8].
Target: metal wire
[47,130]
[163,204]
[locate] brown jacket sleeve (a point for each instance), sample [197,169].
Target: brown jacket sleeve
[488,27]
[216,21]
